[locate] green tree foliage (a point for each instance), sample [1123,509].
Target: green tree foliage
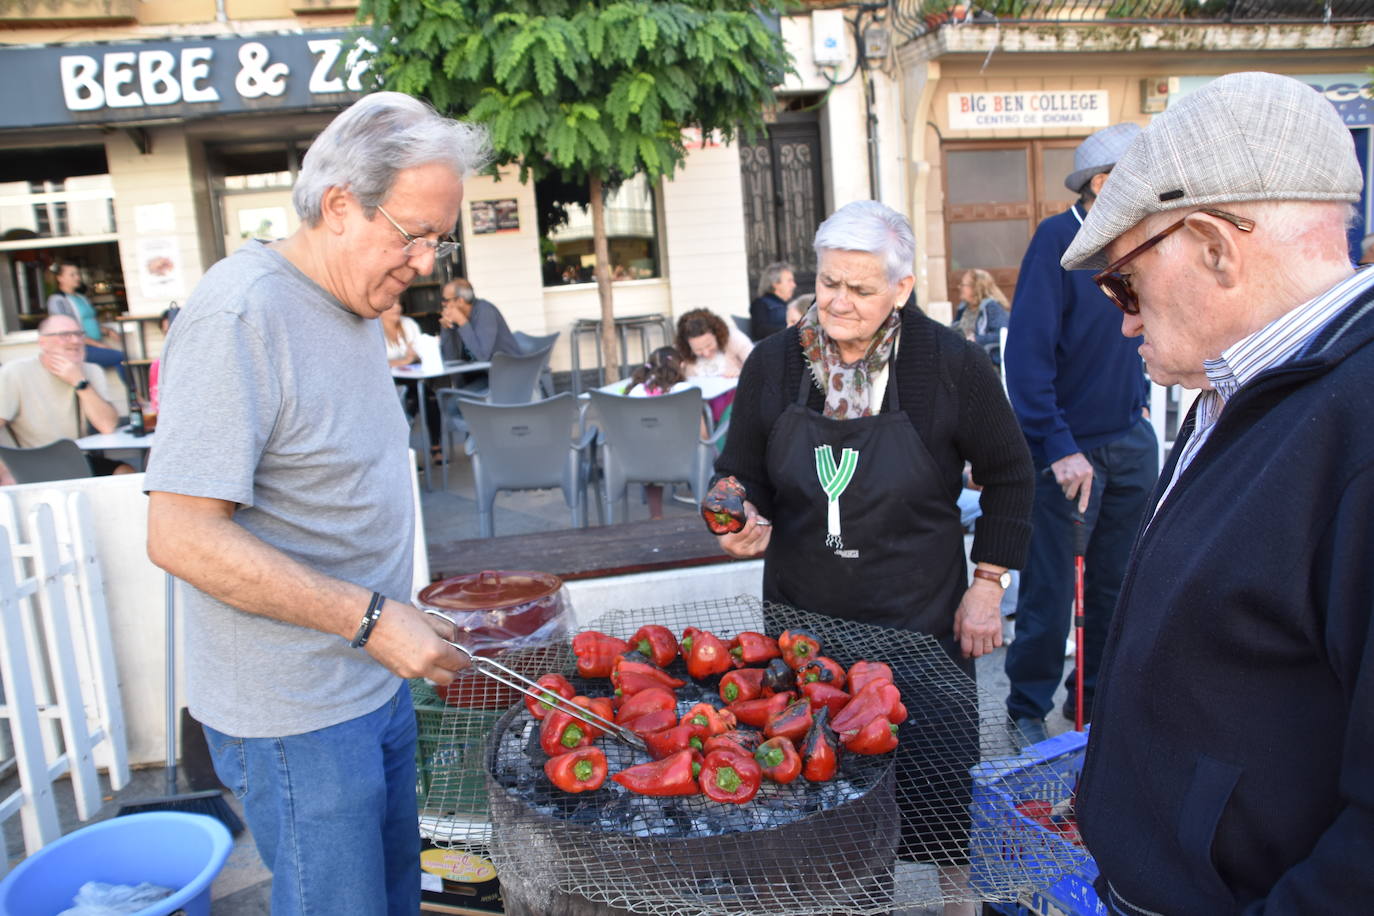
[587,93]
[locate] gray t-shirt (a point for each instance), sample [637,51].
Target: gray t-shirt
[278,398]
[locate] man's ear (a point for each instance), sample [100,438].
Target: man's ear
[334,207]
[1096,182]
[1216,248]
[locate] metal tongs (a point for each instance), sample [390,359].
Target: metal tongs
[516,681]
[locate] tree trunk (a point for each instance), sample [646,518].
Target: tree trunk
[610,357]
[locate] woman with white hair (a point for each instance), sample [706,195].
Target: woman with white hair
[849,436]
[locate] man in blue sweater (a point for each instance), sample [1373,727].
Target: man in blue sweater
[1231,763]
[1080,394]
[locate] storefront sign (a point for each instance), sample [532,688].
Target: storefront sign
[1022,110]
[1352,94]
[140,81]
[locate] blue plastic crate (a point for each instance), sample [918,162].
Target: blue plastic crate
[1009,848]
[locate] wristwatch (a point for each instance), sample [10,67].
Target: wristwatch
[82,385]
[1003,579]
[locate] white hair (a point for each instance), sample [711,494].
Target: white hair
[866,225]
[364,148]
[771,275]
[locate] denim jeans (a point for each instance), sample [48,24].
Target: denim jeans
[106,357]
[333,812]
[1124,473]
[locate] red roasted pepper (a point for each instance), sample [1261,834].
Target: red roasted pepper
[655,642]
[821,670]
[750,648]
[652,722]
[678,738]
[832,698]
[878,698]
[798,647]
[877,737]
[675,775]
[597,653]
[860,673]
[581,770]
[758,712]
[730,776]
[743,684]
[717,721]
[779,760]
[630,674]
[561,733]
[819,753]
[723,507]
[651,699]
[705,653]
[602,706]
[793,722]
[555,683]
[735,739]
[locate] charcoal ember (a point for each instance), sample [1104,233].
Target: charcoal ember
[725,818]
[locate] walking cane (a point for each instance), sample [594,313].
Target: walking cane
[1079,548]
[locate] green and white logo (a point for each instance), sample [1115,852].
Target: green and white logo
[834,478]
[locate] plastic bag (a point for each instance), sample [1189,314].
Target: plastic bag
[97,899]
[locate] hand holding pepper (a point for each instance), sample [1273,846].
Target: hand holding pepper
[752,541]
[723,507]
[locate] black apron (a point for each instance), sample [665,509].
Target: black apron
[896,559]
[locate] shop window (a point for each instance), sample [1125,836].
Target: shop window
[631,230]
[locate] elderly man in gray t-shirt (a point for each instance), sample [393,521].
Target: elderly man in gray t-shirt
[280,492]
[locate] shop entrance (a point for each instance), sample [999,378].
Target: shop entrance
[783,199]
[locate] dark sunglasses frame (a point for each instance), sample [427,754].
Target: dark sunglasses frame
[1118,288]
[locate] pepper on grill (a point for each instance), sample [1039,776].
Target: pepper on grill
[758,712]
[819,753]
[650,699]
[730,776]
[602,707]
[742,684]
[630,677]
[736,739]
[877,737]
[581,770]
[860,673]
[798,647]
[779,760]
[705,653]
[717,721]
[723,507]
[652,722]
[778,677]
[674,775]
[750,648]
[554,683]
[665,743]
[832,698]
[821,670]
[597,653]
[794,721]
[560,733]
[655,642]
[877,699]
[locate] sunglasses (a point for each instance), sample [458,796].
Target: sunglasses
[1118,286]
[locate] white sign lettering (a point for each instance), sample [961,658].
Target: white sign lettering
[1021,110]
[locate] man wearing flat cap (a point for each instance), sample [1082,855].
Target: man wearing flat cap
[1231,763]
[1079,392]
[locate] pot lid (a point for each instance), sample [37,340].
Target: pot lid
[490,590]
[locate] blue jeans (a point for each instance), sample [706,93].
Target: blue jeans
[333,811]
[1124,473]
[106,357]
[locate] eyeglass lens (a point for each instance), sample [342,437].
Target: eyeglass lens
[65,335]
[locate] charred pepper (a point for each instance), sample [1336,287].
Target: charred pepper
[723,507]
[630,677]
[742,684]
[730,776]
[651,699]
[823,695]
[758,712]
[717,721]
[554,683]
[798,647]
[665,743]
[750,648]
[596,653]
[794,721]
[674,775]
[778,677]
[581,770]
[779,760]
[737,739]
[655,642]
[821,670]
[560,733]
[877,737]
[705,653]
[819,753]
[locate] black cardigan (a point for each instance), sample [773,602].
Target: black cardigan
[948,388]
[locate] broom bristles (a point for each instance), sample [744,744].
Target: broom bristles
[210,803]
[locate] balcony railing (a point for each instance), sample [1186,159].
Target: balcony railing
[914,18]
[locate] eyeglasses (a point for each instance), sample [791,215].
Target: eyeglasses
[442,248]
[1118,286]
[63,335]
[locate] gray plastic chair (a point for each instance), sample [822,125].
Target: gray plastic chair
[652,440]
[60,460]
[511,380]
[530,343]
[527,447]
[744,324]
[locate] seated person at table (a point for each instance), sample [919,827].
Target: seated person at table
[662,374]
[709,347]
[768,313]
[57,394]
[473,328]
[400,333]
[101,342]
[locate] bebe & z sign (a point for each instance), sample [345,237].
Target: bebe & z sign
[1020,110]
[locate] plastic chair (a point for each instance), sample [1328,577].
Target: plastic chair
[511,380]
[744,324]
[652,440]
[527,447]
[60,460]
[530,343]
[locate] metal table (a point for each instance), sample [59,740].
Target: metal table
[414,373]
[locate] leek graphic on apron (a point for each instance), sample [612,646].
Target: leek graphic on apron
[834,478]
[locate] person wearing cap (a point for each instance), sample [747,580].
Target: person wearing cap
[1229,768]
[1079,392]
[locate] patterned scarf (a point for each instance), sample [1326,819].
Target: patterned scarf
[847,386]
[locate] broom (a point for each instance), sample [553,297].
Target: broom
[210,802]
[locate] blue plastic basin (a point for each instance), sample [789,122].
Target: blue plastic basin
[180,851]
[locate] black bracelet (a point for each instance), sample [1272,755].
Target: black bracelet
[374,610]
